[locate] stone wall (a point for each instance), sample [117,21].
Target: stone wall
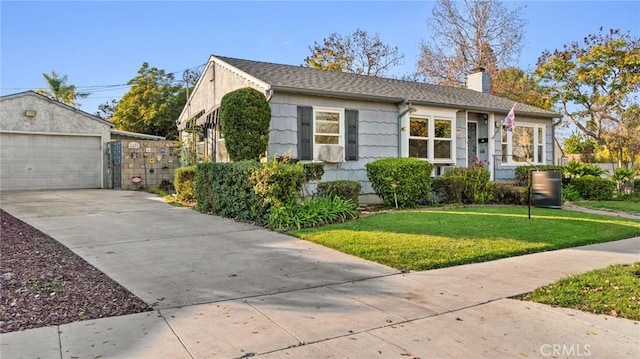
[146,163]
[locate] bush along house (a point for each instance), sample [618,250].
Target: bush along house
[347,120]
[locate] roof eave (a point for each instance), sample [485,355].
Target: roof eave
[137,135]
[549,115]
[396,100]
[324,93]
[58,103]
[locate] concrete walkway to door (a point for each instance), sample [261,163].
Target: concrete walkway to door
[223,289]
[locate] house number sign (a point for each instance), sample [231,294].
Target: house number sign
[134,145]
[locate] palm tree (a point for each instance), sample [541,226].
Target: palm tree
[60,91]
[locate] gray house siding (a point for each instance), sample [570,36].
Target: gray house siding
[461,139]
[215,82]
[377,138]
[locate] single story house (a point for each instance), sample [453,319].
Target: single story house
[347,120]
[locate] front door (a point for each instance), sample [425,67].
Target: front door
[472,143]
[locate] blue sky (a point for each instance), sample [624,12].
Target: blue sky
[105,43]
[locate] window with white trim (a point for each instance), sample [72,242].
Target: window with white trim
[431,138]
[525,144]
[327,126]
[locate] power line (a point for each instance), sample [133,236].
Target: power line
[106,88]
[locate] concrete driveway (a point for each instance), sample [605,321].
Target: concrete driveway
[229,290]
[171,256]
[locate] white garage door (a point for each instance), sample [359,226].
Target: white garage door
[30,161]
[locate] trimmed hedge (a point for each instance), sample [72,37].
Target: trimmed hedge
[246,190]
[522,172]
[509,194]
[592,188]
[184,183]
[226,190]
[278,183]
[477,185]
[401,182]
[347,190]
[245,115]
[448,189]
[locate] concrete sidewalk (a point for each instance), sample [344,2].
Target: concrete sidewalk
[339,307]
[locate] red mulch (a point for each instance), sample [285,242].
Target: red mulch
[44,283]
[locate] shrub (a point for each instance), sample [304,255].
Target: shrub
[509,194]
[401,182]
[313,171]
[315,212]
[636,187]
[166,186]
[184,182]
[226,189]
[624,178]
[575,169]
[522,172]
[476,186]
[448,189]
[246,190]
[245,116]
[592,188]
[278,183]
[569,193]
[347,190]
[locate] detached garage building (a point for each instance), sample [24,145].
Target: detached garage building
[45,144]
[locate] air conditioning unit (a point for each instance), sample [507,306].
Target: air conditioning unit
[331,153]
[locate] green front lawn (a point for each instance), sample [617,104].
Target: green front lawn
[632,206]
[420,240]
[614,290]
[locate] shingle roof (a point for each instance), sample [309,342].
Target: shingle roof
[313,81]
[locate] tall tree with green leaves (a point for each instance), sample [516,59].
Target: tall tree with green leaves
[515,84]
[60,91]
[593,80]
[152,105]
[357,52]
[466,35]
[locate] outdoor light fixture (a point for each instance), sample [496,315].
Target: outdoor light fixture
[30,113]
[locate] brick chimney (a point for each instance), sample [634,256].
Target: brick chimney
[479,81]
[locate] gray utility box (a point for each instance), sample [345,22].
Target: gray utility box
[547,188]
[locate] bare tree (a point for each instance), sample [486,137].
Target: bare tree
[481,33]
[357,52]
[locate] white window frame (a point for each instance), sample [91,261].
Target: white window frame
[431,121]
[537,142]
[340,112]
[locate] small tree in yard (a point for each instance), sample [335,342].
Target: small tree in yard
[245,116]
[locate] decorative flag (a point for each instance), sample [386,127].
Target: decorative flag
[510,120]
